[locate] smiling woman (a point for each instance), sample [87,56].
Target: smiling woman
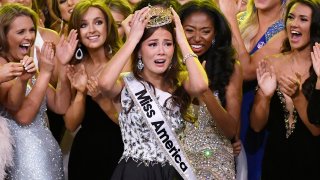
[288,85]
[97,146]
[36,153]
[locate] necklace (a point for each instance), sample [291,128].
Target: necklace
[297,73]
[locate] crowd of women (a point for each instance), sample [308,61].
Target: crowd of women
[159,89]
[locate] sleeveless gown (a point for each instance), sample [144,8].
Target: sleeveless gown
[37,155]
[97,146]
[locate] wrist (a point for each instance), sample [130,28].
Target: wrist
[189,56]
[263,95]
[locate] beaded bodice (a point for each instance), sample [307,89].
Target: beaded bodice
[208,150]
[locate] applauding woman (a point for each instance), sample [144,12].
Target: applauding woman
[288,85]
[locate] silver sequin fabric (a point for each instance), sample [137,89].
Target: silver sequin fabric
[208,150]
[37,155]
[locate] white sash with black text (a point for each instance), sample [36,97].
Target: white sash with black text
[158,124]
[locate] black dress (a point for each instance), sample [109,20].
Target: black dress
[97,147]
[295,157]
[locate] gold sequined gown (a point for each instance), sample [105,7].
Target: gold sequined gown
[209,152]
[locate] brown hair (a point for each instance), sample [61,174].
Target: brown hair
[8,13]
[81,8]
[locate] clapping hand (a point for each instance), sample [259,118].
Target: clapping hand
[266,78]
[290,85]
[46,57]
[315,56]
[78,77]
[66,47]
[92,86]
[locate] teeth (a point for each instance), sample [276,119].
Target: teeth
[93,37]
[26,44]
[295,32]
[196,46]
[70,11]
[159,61]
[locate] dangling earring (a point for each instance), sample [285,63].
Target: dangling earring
[110,49]
[213,42]
[79,53]
[170,66]
[140,64]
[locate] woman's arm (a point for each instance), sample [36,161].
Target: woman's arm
[267,85]
[249,62]
[58,99]
[31,104]
[108,79]
[196,81]
[75,112]
[227,119]
[15,77]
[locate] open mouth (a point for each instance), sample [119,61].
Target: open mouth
[160,61]
[295,35]
[25,47]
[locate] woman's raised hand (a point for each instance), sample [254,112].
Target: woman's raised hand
[46,57]
[315,56]
[180,35]
[266,77]
[138,22]
[66,47]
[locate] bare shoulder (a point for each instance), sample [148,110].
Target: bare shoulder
[49,35]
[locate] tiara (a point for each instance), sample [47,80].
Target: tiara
[159,16]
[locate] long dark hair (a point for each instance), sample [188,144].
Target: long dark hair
[171,75]
[112,41]
[314,5]
[220,56]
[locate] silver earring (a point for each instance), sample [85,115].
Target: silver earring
[79,53]
[110,49]
[140,63]
[213,42]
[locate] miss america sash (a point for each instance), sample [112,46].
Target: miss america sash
[157,123]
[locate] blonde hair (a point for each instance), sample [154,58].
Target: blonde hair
[249,26]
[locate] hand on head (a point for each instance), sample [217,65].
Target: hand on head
[137,24]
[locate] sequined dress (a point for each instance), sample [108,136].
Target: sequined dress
[143,158]
[37,155]
[291,153]
[209,151]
